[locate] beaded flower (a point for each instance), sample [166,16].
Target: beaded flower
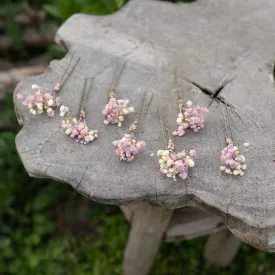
[42,102]
[190,117]
[116,110]
[47,101]
[232,160]
[128,146]
[175,165]
[78,129]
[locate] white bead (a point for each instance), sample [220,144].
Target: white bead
[170,162]
[69,131]
[131,109]
[126,102]
[159,152]
[191,163]
[244,166]
[119,124]
[32,111]
[222,168]
[39,106]
[152,154]
[179,120]
[62,114]
[246,144]
[125,111]
[106,122]
[74,120]
[50,103]
[34,87]
[166,158]
[189,103]
[49,110]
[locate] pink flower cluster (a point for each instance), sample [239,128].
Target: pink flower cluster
[128,147]
[115,111]
[43,102]
[232,160]
[79,130]
[176,164]
[190,117]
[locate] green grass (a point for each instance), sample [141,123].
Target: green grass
[47,228]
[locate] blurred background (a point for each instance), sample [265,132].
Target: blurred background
[45,226]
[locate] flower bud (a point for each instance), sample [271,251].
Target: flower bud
[34,87]
[179,120]
[191,163]
[189,103]
[32,111]
[39,106]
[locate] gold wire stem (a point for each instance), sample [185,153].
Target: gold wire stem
[61,83]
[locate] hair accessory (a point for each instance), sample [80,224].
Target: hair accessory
[173,164]
[77,128]
[188,117]
[128,146]
[232,160]
[116,109]
[47,101]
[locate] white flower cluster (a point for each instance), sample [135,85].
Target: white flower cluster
[175,164]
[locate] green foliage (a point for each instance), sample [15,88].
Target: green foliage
[62,9]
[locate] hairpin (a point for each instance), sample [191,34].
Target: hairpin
[173,164]
[116,109]
[188,117]
[232,160]
[128,146]
[47,101]
[77,128]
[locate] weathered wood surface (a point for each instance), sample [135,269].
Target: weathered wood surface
[221,248]
[189,223]
[148,224]
[213,42]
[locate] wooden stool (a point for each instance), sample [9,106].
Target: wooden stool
[225,51]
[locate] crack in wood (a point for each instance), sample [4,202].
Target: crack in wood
[213,94]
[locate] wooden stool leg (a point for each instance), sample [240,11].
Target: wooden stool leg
[221,248]
[148,224]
